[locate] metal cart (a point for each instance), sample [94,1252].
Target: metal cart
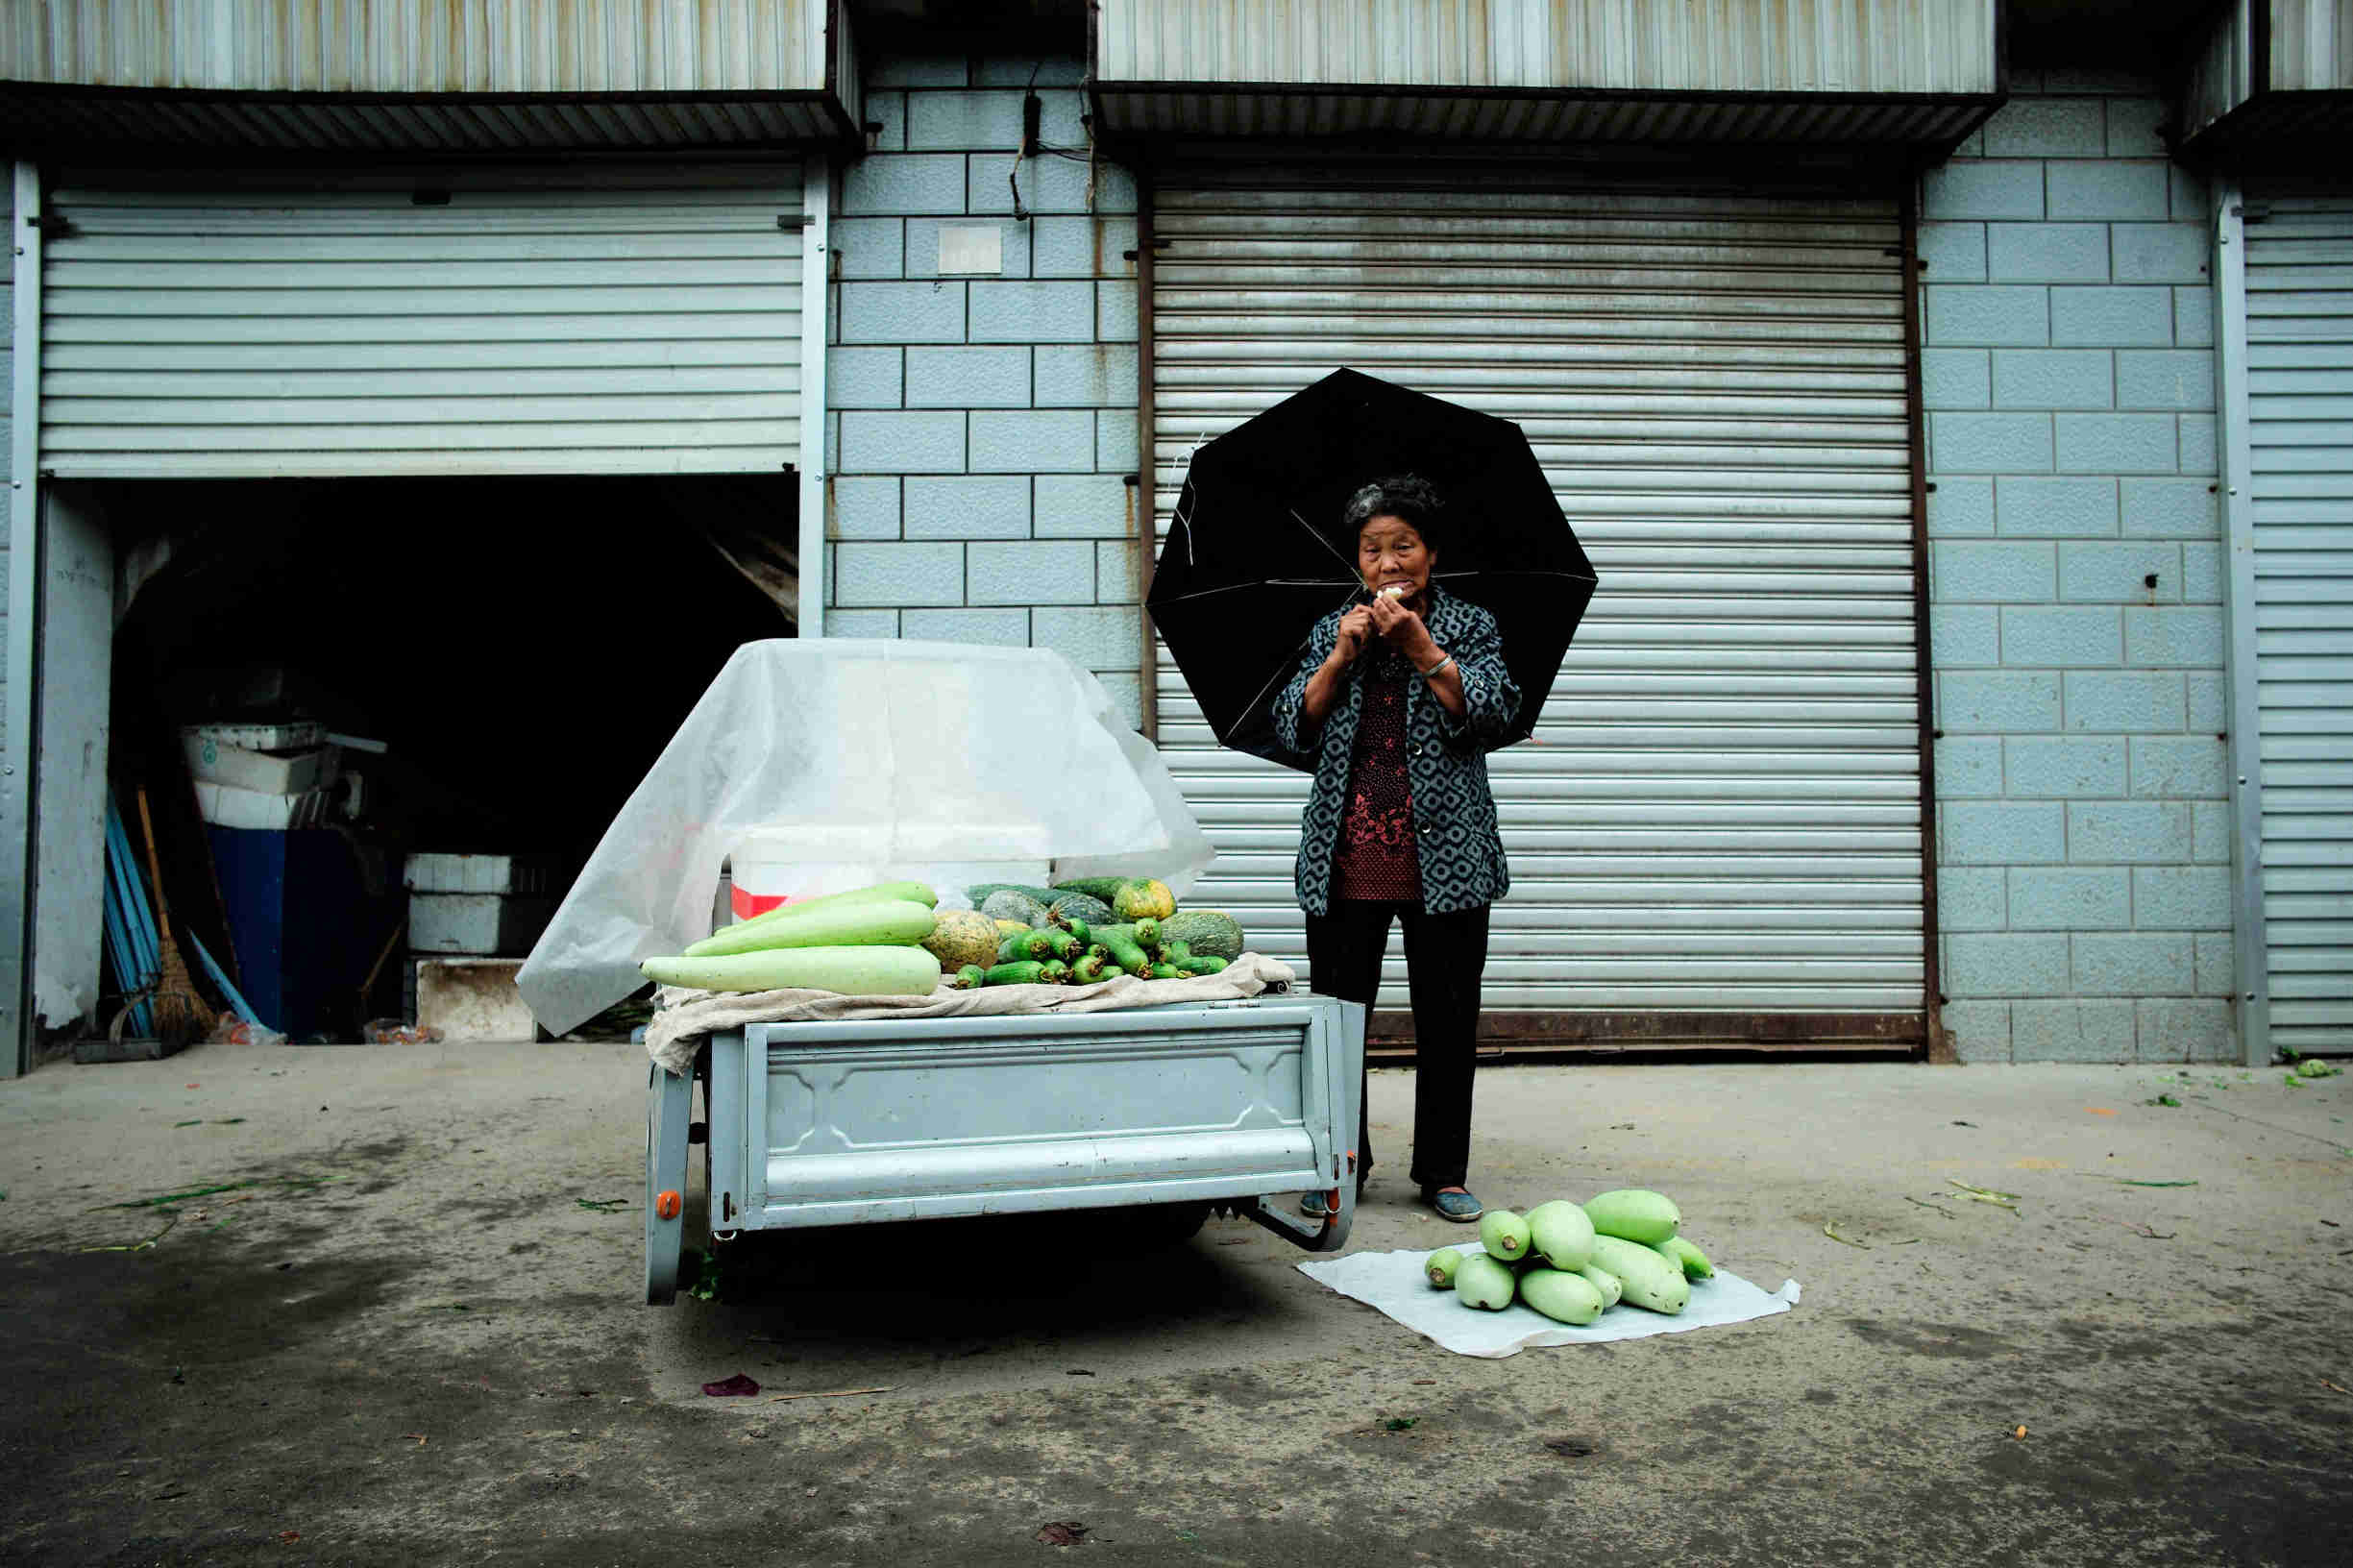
[1240,1104]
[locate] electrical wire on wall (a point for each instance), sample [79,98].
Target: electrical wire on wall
[1032,111]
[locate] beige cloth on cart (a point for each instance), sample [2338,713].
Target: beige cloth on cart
[685,1016]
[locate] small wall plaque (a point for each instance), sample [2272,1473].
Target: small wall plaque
[968,249]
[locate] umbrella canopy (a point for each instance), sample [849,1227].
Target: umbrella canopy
[1258,549]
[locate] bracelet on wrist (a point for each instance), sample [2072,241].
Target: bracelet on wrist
[1433,672]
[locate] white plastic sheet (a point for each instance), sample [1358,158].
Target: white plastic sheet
[948,753]
[1394,1283]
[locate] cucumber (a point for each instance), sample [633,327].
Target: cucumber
[1023,946]
[1175,952]
[866,970]
[1440,1267]
[858,923]
[1561,1233]
[1088,969]
[1480,1281]
[1561,1296]
[1504,1233]
[970,976]
[1166,972]
[1054,972]
[1113,971]
[1029,973]
[1147,933]
[1119,941]
[1060,943]
[1650,1280]
[1202,965]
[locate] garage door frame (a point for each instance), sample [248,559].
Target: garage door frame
[1917,1032]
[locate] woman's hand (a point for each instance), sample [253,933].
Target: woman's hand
[1355,630]
[1401,629]
[1324,685]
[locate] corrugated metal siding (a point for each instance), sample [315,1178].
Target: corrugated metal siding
[1721,810]
[556,46]
[1797,46]
[2311,45]
[603,326]
[2220,74]
[2299,306]
[2311,52]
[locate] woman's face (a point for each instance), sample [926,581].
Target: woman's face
[1391,554]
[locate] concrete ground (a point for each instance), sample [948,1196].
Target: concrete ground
[410,1333]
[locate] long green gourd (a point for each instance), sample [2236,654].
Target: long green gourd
[862,923]
[866,970]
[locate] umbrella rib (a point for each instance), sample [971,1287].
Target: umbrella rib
[1321,540]
[1283,673]
[1255,583]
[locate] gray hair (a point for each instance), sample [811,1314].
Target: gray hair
[1407,496]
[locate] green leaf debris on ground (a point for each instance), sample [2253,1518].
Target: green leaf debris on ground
[165,1200]
[2164,1099]
[1402,1423]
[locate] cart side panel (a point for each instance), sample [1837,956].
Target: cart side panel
[1005,1114]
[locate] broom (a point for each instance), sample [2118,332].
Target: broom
[179,1012]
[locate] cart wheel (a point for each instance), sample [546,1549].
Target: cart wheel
[669,1098]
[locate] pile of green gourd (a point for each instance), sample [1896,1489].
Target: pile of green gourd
[1573,1262]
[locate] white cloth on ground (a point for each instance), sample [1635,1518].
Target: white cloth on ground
[1395,1284]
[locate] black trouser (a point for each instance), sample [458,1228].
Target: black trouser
[1444,957]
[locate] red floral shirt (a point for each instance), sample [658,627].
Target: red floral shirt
[1375,857]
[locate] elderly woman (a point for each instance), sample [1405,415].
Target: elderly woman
[1399,697]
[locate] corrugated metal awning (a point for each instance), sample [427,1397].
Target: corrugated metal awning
[1283,110]
[38,118]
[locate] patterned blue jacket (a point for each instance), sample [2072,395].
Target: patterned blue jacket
[1462,854]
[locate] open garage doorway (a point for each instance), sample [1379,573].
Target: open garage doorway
[488,665]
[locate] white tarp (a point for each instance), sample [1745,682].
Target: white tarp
[1393,1283]
[687,1018]
[947,755]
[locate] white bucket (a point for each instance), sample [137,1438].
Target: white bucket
[772,865]
[777,864]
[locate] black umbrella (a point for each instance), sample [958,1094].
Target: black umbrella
[1258,551]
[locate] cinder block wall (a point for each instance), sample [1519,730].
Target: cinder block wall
[2077,587]
[986,424]
[8,434]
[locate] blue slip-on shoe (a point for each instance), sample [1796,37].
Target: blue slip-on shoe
[1458,1207]
[1314,1205]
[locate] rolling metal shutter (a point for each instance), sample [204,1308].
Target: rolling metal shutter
[2299,362]
[608,324]
[1721,811]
